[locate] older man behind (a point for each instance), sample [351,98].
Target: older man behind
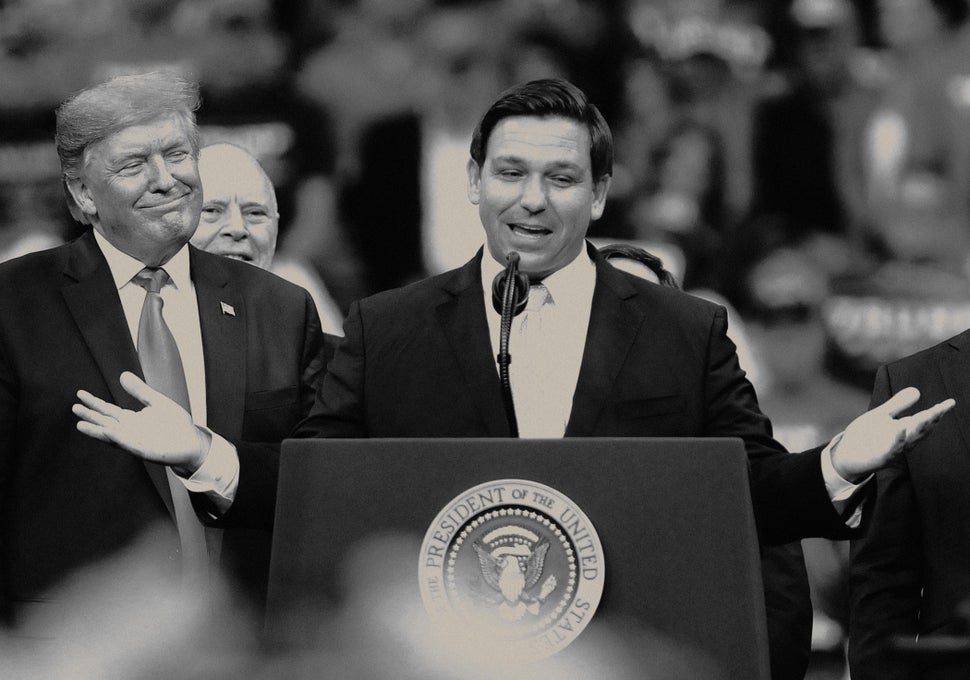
[130,295]
[240,219]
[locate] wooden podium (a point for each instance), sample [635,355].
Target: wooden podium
[673,516]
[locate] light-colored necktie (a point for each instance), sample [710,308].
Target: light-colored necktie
[162,366]
[529,388]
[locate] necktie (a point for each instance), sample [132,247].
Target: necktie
[529,367]
[162,366]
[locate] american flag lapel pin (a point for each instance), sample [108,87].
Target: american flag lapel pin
[227,309]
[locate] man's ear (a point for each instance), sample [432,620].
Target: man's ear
[82,196]
[474,181]
[600,189]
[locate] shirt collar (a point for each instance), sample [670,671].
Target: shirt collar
[124,267]
[575,281]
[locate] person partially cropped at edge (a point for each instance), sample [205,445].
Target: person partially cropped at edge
[615,355]
[909,576]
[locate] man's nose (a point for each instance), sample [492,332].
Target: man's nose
[533,195]
[234,224]
[160,176]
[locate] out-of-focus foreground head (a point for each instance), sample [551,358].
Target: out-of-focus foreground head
[239,218]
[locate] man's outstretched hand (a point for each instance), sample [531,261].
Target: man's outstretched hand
[162,432]
[872,439]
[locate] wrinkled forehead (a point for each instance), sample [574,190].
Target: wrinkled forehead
[160,133]
[541,138]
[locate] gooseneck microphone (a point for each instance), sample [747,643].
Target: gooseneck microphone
[510,293]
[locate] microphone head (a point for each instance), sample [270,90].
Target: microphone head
[520,292]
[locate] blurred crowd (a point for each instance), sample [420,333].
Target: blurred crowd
[801,156]
[798,159]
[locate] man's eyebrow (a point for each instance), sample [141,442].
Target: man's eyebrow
[127,154]
[509,158]
[569,165]
[176,143]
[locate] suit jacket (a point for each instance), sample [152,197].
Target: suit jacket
[418,362]
[912,569]
[68,500]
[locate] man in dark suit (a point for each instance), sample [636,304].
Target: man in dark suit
[910,574]
[603,353]
[71,320]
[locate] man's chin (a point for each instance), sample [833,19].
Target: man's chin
[536,267]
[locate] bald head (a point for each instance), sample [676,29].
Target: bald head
[239,212]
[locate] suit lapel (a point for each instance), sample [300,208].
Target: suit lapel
[613,325]
[955,371]
[222,315]
[463,323]
[93,301]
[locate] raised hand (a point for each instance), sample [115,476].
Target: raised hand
[872,439]
[161,432]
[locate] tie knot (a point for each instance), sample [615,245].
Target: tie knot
[539,295]
[151,279]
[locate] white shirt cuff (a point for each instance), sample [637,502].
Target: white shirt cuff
[218,476]
[839,489]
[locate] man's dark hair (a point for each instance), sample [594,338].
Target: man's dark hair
[549,97]
[649,260]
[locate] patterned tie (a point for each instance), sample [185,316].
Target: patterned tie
[529,387]
[162,366]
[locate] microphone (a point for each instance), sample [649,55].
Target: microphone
[518,296]
[510,293]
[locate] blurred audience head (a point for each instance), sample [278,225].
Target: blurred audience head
[459,52]
[99,112]
[548,98]
[911,23]
[122,618]
[239,211]
[638,261]
[826,33]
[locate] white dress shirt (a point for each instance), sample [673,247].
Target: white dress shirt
[219,473]
[546,345]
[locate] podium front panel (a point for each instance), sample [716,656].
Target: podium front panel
[674,518]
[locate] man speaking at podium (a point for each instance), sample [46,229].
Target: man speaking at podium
[597,352]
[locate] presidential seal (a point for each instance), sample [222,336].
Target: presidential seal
[514,561]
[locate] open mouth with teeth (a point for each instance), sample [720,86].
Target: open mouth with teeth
[239,256]
[528,230]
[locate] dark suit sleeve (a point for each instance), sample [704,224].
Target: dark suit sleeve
[8,429]
[339,410]
[787,490]
[317,351]
[885,569]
